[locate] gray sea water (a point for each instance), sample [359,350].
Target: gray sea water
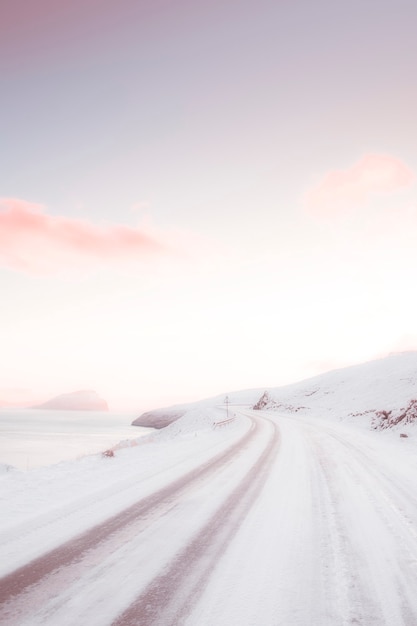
[31,438]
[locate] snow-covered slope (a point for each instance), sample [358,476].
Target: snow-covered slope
[381,392]
[378,393]
[85,400]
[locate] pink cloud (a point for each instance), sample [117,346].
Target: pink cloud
[373,174]
[35,242]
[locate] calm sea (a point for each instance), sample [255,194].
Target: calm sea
[32,438]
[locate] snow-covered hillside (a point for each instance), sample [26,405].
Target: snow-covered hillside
[380,393]
[84,400]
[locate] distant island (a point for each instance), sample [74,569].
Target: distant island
[84,400]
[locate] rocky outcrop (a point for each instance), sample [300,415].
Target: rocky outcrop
[264,402]
[389,419]
[158,419]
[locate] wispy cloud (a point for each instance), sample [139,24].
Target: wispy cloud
[373,174]
[35,242]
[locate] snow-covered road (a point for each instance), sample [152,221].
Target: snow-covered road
[279,522]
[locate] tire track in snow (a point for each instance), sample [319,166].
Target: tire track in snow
[170,596]
[40,570]
[389,502]
[371,568]
[342,588]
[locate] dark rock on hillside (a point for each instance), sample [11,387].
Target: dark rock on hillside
[158,419]
[264,401]
[389,419]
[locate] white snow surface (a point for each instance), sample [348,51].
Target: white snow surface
[388,383]
[266,519]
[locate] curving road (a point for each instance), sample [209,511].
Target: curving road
[37,593]
[300,522]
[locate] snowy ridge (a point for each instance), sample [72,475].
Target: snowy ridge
[381,394]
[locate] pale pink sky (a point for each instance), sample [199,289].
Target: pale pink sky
[199,197]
